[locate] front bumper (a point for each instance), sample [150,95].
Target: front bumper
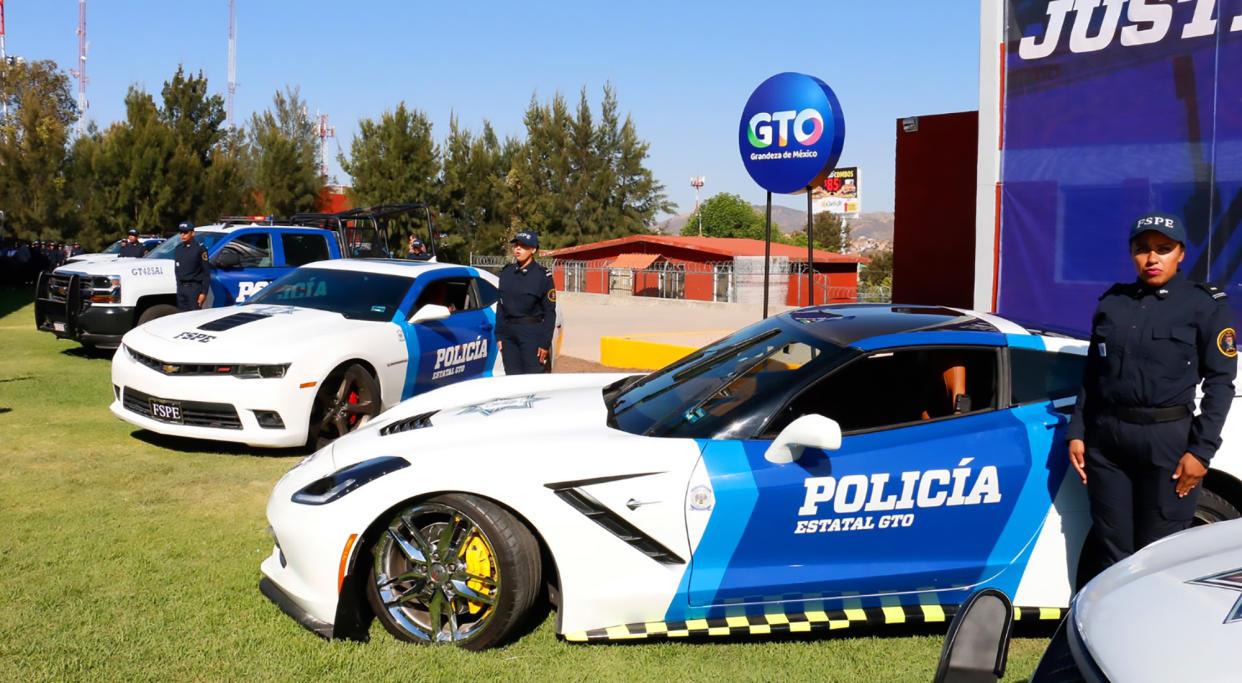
[215,408]
[60,308]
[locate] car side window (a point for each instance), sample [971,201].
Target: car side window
[484,293]
[253,249]
[890,388]
[1037,376]
[453,292]
[302,249]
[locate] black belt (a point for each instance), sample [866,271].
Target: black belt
[523,319]
[1147,416]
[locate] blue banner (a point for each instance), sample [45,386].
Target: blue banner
[1111,112]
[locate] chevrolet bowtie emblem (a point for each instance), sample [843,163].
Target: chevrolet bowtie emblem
[1230,580]
[170,369]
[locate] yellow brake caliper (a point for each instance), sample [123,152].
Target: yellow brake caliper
[479,562]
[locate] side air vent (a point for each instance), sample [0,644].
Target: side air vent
[415,422]
[228,322]
[586,504]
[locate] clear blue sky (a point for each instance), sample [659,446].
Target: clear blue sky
[682,70]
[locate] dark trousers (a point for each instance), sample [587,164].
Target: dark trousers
[187,295]
[519,348]
[1130,483]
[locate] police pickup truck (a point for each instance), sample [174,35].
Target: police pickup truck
[96,303]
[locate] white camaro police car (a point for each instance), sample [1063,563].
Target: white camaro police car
[313,356]
[825,467]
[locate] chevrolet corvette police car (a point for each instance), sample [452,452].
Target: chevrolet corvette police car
[825,467]
[312,356]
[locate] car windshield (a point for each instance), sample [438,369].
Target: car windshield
[112,248]
[165,250]
[361,296]
[720,391]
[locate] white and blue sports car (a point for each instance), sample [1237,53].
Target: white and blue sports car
[825,467]
[312,356]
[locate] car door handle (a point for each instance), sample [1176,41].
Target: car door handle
[485,326]
[634,503]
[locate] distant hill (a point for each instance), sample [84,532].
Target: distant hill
[876,225]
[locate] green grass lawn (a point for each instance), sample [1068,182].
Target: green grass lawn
[128,556]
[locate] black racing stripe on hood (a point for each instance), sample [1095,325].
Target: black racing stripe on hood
[228,322]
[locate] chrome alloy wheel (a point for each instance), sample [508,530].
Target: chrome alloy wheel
[436,574]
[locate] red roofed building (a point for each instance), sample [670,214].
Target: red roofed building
[702,268]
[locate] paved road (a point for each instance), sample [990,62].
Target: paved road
[589,317]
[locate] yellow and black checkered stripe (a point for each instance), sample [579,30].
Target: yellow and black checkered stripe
[802,622]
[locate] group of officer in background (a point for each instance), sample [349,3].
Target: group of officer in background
[22,261]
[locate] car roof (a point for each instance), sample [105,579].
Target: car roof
[880,325]
[227,228]
[399,267]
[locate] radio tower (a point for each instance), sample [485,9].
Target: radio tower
[325,131]
[80,72]
[232,60]
[4,57]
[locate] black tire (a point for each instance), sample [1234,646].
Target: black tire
[454,569]
[1213,508]
[347,399]
[156,311]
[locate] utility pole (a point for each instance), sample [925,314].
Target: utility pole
[3,55]
[697,183]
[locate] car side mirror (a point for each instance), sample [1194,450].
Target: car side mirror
[227,260]
[808,431]
[429,313]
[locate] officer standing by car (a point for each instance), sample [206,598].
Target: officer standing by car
[526,314]
[417,250]
[132,247]
[1134,437]
[191,270]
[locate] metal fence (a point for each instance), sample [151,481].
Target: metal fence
[718,281]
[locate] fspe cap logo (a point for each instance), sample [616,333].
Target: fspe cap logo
[791,133]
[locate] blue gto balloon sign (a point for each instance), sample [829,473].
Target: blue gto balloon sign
[791,133]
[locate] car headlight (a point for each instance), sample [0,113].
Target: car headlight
[106,289]
[343,481]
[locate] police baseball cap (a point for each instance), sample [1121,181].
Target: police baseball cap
[416,242]
[1164,223]
[132,232]
[186,226]
[526,238]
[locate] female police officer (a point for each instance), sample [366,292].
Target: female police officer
[526,314]
[1134,438]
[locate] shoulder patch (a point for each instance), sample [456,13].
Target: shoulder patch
[552,295]
[1216,292]
[204,253]
[1227,343]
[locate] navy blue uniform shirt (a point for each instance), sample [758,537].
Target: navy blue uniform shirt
[527,295]
[1151,346]
[132,249]
[191,263]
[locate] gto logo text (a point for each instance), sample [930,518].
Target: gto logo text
[762,125]
[878,492]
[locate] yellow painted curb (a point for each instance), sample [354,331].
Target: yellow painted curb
[629,352]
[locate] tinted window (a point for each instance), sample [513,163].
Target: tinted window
[303,249]
[362,296]
[254,250]
[165,250]
[695,397]
[1044,375]
[899,387]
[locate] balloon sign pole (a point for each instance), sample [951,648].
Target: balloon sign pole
[790,138]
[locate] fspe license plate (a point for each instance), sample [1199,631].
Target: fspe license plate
[167,411]
[59,327]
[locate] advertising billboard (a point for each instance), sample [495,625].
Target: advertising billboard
[838,193]
[1112,110]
